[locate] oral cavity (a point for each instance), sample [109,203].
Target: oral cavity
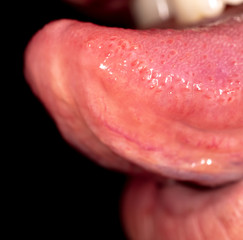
[153,13]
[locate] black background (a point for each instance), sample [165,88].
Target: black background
[55,192]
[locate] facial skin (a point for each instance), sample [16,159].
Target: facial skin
[167,207]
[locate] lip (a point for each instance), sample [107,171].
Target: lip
[194,213]
[176,136]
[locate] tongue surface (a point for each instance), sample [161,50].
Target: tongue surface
[167,100]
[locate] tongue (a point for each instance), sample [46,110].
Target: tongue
[169,101]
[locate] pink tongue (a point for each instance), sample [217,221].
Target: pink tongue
[169,101]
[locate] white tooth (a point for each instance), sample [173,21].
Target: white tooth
[193,11]
[149,13]
[233,2]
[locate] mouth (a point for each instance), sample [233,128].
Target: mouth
[168,101]
[141,14]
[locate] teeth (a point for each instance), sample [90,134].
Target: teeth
[233,2]
[148,13]
[191,12]
[151,13]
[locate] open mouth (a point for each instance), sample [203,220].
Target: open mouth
[166,100]
[144,14]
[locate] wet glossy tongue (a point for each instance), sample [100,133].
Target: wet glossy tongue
[169,101]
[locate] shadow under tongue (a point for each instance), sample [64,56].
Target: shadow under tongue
[200,187]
